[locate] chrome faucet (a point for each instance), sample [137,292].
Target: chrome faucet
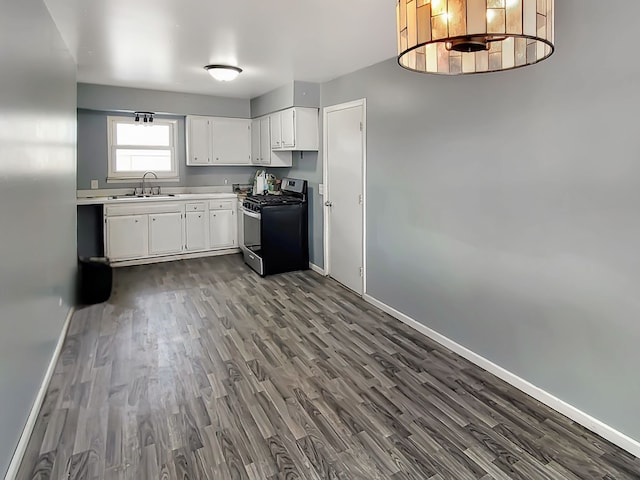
[143,179]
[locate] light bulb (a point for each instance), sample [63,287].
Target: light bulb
[223,73]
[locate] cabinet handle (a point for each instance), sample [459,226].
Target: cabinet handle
[217,159]
[199,216]
[136,221]
[153,219]
[195,158]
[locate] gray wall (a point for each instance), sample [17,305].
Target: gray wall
[306,94]
[308,166]
[93,153]
[503,209]
[294,94]
[107,98]
[272,101]
[37,205]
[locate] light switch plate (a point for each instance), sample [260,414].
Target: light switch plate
[321,189]
[94,184]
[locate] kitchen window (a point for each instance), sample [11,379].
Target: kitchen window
[136,148]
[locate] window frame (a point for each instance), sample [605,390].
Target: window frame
[126,177]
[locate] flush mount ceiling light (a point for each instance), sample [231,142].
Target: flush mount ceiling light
[147,117]
[455,37]
[223,73]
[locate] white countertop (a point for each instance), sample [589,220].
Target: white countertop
[110,200]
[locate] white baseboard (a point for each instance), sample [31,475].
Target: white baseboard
[317,269]
[21,449]
[171,258]
[620,439]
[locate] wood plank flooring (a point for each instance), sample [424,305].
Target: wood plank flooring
[200,369]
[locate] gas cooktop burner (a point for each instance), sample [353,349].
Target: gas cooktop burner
[294,192]
[272,198]
[266,200]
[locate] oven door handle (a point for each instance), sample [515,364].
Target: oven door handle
[251,214]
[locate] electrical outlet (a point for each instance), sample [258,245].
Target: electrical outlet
[321,189]
[226,181]
[94,184]
[60,302]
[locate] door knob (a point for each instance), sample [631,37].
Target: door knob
[328,204]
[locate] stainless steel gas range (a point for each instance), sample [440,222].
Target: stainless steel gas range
[276,238]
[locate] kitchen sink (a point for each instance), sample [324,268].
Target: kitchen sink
[161,195]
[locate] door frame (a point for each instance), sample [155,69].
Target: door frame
[327,188]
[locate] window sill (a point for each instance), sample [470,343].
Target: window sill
[148,180]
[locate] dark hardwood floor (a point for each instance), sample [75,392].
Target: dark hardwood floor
[200,369]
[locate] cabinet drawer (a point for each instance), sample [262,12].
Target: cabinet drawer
[195,207]
[142,207]
[221,204]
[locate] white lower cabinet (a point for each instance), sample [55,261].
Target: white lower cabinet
[148,230]
[196,231]
[222,228]
[240,224]
[165,233]
[127,237]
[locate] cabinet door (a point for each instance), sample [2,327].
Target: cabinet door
[288,126]
[231,141]
[127,237]
[276,130]
[198,141]
[281,158]
[222,228]
[240,225]
[196,231]
[165,233]
[255,142]
[265,141]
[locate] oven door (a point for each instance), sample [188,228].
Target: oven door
[252,248]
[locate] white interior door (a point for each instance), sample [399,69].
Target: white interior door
[344,198]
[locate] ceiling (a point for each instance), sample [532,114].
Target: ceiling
[163,44]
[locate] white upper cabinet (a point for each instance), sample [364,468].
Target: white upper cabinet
[256,146]
[288,128]
[231,141]
[218,141]
[294,129]
[275,126]
[265,140]
[261,146]
[199,141]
